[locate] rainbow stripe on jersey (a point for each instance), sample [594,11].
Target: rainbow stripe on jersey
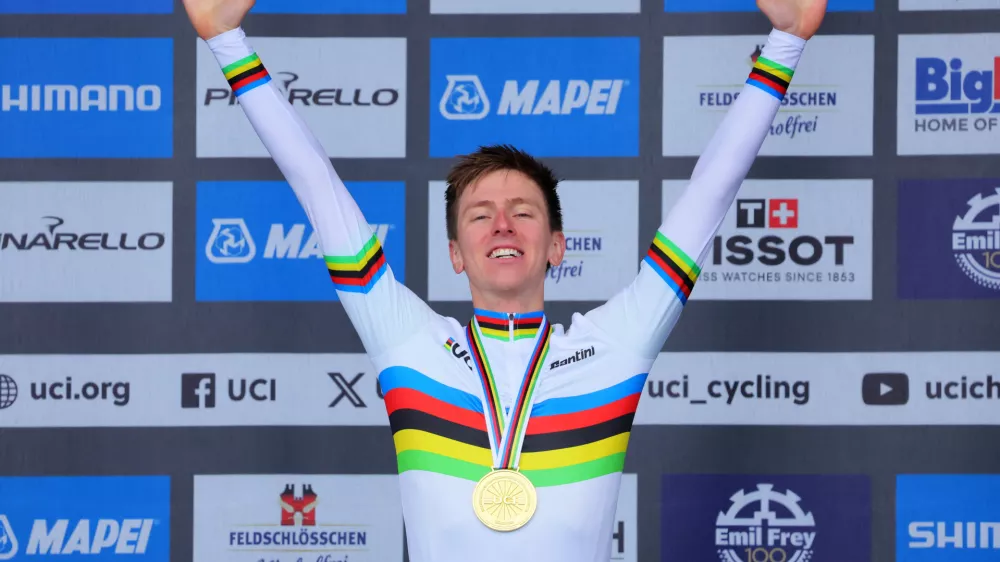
[358,273]
[669,262]
[771,77]
[497,325]
[246,74]
[437,428]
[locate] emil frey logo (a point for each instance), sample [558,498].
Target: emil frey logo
[763,534]
[976,243]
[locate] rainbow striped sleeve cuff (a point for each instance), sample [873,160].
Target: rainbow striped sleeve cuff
[673,266]
[246,74]
[771,77]
[360,272]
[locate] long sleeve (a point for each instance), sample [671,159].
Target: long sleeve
[642,315]
[383,311]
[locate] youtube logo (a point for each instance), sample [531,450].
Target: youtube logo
[885,389]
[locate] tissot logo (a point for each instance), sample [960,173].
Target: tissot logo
[347,390]
[198,390]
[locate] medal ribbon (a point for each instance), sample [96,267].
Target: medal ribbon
[506,438]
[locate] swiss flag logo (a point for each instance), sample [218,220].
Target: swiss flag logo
[783,213]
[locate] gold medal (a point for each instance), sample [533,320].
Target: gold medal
[504,500]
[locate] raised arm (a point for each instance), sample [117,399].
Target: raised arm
[383,311]
[642,315]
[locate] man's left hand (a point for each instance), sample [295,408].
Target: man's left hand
[798,17]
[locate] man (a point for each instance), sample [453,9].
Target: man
[510,432]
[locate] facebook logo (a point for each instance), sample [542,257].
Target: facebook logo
[198,390]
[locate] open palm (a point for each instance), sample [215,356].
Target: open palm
[798,17]
[212,17]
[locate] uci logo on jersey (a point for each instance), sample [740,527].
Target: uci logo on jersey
[549,96]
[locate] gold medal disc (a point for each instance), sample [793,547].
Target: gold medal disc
[504,500]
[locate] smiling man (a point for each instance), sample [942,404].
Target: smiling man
[510,432]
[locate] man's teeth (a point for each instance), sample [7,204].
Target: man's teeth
[505,253]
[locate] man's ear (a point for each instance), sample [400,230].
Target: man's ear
[457,263]
[558,248]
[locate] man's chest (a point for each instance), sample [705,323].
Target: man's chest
[564,367]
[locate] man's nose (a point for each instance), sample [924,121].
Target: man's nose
[502,224]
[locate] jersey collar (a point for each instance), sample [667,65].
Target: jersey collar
[508,326]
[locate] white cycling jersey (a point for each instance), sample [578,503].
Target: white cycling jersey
[592,378]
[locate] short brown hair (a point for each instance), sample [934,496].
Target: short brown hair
[489,159]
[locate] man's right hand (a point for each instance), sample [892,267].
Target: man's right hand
[214,17]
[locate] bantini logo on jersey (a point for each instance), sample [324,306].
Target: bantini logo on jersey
[550,96]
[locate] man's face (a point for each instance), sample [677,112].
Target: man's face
[504,239]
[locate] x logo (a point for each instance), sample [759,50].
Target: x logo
[347,390]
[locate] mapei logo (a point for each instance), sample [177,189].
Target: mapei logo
[58,516]
[465,98]
[232,243]
[975,240]
[790,532]
[551,96]
[80,536]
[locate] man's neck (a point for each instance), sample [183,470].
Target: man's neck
[517,303]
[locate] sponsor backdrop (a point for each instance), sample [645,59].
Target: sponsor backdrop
[178,382]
